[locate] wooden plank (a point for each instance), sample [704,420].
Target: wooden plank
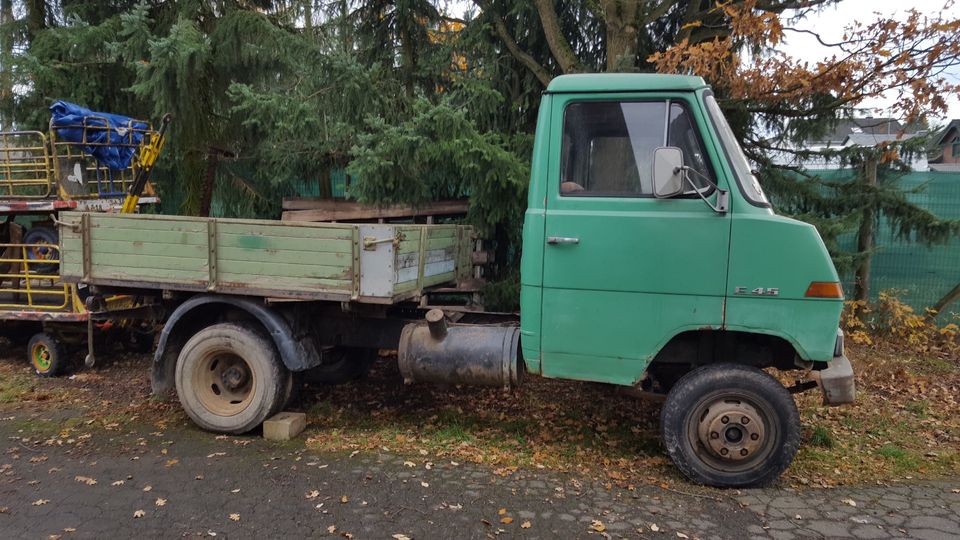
[441,231]
[277,229]
[145,276]
[449,243]
[283,244]
[439,278]
[278,285]
[323,258]
[142,248]
[280,270]
[160,237]
[331,210]
[198,266]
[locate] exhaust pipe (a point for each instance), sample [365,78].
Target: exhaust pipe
[459,354]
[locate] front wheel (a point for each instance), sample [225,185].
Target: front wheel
[46,355]
[229,379]
[729,425]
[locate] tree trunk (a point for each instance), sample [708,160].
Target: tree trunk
[947,299]
[865,236]
[308,17]
[621,17]
[559,46]
[36,17]
[6,64]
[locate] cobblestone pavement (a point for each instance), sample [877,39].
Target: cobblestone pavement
[185,483]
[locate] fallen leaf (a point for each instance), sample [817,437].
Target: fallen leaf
[235,490]
[139,514]
[598,526]
[409,464]
[525,525]
[234,517]
[161,502]
[147,488]
[332,529]
[116,483]
[955,490]
[502,511]
[507,520]
[172,462]
[216,454]
[69,529]
[86,480]
[851,502]
[313,494]
[424,484]
[399,536]
[40,502]
[343,499]
[654,527]
[681,535]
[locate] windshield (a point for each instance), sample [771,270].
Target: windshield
[738,161]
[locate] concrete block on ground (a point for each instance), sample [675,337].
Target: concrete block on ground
[284,426]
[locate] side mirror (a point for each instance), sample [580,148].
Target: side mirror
[667,172]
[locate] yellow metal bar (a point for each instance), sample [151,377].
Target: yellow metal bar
[43,292]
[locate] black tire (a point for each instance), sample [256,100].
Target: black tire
[341,365]
[229,378]
[46,355]
[729,425]
[41,236]
[139,340]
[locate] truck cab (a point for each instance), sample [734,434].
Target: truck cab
[650,253]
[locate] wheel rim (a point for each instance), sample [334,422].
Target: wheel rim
[224,383]
[732,433]
[40,251]
[41,357]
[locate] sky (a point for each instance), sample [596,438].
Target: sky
[830,23]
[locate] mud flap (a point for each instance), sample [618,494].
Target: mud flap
[837,382]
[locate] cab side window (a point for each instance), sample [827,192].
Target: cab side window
[607,148]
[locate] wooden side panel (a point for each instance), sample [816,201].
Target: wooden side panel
[427,256]
[255,257]
[275,256]
[263,258]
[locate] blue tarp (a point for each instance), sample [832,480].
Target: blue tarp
[110,138]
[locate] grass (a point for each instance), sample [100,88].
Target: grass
[905,424]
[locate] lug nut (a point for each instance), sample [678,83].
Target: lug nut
[714,435]
[724,451]
[743,452]
[744,420]
[754,436]
[724,419]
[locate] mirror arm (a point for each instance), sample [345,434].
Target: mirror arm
[723,199]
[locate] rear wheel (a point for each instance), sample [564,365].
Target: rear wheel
[46,355]
[729,425]
[229,378]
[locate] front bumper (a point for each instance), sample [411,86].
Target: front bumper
[837,382]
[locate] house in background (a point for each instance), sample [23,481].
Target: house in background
[855,132]
[945,148]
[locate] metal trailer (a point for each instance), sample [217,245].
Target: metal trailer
[41,176]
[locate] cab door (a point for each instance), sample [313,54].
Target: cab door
[622,271]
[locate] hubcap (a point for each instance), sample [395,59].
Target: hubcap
[41,357]
[731,430]
[224,383]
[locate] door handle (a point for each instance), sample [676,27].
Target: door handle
[556,240]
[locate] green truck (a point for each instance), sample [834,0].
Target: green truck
[652,260]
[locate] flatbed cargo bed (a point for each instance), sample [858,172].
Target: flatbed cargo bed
[372,263]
